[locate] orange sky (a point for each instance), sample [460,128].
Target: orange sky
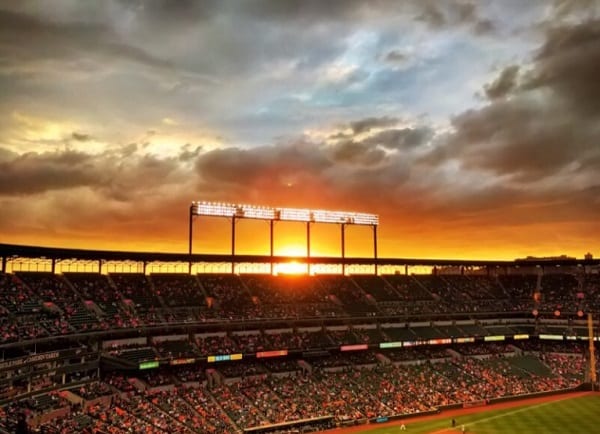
[290,239]
[471,128]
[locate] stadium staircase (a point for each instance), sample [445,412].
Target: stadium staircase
[532,365]
[424,288]
[89,304]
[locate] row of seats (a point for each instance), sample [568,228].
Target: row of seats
[45,304]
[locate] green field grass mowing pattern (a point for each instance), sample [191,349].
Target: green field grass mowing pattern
[566,416]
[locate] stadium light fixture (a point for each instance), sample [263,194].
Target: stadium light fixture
[218,209]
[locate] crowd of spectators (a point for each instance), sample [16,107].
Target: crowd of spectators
[34,305]
[285,365]
[570,366]
[216,344]
[193,373]
[94,390]
[416,353]
[553,346]
[37,304]
[119,381]
[175,349]
[161,377]
[254,396]
[238,370]
[97,289]
[484,348]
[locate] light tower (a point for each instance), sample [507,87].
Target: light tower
[271,214]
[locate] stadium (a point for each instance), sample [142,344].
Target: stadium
[96,341]
[294,216]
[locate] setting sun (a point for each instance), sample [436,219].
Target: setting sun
[293,267]
[292,250]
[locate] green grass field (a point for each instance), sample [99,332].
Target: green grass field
[567,416]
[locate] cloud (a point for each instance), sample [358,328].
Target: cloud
[117,173]
[188,153]
[360,153]
[395,56]
[265,164]
[401,138]
[549,125]
[504,84]
[84,81]
[567,65]
[367,124]
[7,154]
[34,173]
[346,173]
[80,137]
[440,15]
[25,37]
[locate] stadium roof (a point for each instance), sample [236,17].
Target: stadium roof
[9,251]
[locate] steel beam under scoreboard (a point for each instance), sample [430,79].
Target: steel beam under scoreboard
[343,235]
[271,224]
[236,212]
[191,229]
[375,247]
[232,245]
[308,244]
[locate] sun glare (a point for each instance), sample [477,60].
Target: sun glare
[293,267]
[292,250]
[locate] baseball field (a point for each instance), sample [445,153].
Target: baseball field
[566,414]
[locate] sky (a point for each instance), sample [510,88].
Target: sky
[472,128]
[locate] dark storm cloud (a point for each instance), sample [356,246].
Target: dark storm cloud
[504,84]
[80,137]
[439,15]
[401,138]
[370,151]
[286,10]
[297,172]
[168,12]
[189,153]
[395,56]
[568,64]
[436,14]
[432,14]
[245,166]
[35,173]
[6,154]
[357,153]
[550,124]
[527,141]
[367,124]
[108,173]
[28,38]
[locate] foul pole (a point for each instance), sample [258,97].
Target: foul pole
[592,353]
